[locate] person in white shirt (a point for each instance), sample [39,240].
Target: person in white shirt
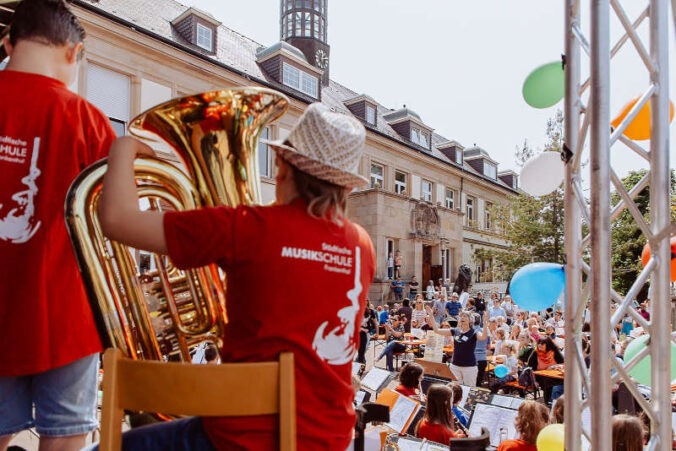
[496,310]
[556,321]
[464,296]
[430,290]
[510,308]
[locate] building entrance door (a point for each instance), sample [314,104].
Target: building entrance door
[426,266]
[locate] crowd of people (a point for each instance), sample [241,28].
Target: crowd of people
[483,333]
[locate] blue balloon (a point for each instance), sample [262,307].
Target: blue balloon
[537,286]
[501,371]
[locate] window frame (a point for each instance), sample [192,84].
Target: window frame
[398,185]
[370,118]
[415,136]
[429,193]
[493,169]
[487,216]
[210,46]
[377,178]
[291,74]
[470,204]
[451,198]
[265,134]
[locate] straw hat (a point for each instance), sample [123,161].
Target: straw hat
[326,145]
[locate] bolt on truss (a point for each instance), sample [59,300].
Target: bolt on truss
[591,388]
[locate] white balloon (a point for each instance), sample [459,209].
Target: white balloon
[542,174]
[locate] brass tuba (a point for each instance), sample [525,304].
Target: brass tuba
[163,314]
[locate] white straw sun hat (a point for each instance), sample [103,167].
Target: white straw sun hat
[326,145]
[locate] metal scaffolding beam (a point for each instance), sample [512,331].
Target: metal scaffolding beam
[593,388]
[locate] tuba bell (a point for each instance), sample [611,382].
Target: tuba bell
[164,313]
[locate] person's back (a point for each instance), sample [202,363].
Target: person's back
[39,158]
[47,136]
[302,255]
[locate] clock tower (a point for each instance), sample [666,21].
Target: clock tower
[303,25]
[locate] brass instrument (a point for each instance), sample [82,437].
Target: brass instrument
[215,134]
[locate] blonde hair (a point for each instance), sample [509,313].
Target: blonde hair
[324,200]
[530,420]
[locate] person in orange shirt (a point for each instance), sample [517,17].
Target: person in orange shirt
[438,424]
[532,417]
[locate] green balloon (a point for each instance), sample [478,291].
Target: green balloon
[641,372]
[545,86]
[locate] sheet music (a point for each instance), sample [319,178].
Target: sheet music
[434,347]
[375,378]
[401,412]
[356,367]
[493,418]
[359,397]
[407,444]
[510,402]
[417,333]
[465,394]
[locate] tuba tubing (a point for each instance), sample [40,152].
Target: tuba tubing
[214,135]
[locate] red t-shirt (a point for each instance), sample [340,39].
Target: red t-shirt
[435,432]
[517,445]
[47,136]
[294,283]
[407,391]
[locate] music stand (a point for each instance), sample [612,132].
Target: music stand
[436,369]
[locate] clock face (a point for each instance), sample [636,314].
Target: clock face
[321,59]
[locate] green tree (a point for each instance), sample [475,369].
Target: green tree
[627,240]
[533,226]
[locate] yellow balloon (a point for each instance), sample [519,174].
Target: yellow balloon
[639,128]
[551,438]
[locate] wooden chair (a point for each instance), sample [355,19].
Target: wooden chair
[230,389]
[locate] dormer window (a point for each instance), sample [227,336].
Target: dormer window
[198,28]
[300,80]
[490,170]
[370,114]
[205,37]
[420,138]
[415,136]
[458,157]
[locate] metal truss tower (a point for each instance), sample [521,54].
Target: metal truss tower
[591,388]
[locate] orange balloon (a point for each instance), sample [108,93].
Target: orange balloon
[639,128]
[645,256]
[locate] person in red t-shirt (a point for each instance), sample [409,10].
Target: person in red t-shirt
[532,417]
[438,424]
[410,377]
[303,244]
[49,344]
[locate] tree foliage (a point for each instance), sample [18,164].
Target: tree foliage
[627,239]
[533,226]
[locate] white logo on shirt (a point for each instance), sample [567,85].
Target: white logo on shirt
[337,347]
[18,225]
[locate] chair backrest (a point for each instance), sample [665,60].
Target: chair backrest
[480,443]
[229,389]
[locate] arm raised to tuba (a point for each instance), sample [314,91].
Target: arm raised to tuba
[163,314]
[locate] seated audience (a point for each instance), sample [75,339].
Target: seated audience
[437,424]
[532,417]
[511,362]
[526,346]
[418,316]
[395,332]
[546,357]
[410,377]
[514,332]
